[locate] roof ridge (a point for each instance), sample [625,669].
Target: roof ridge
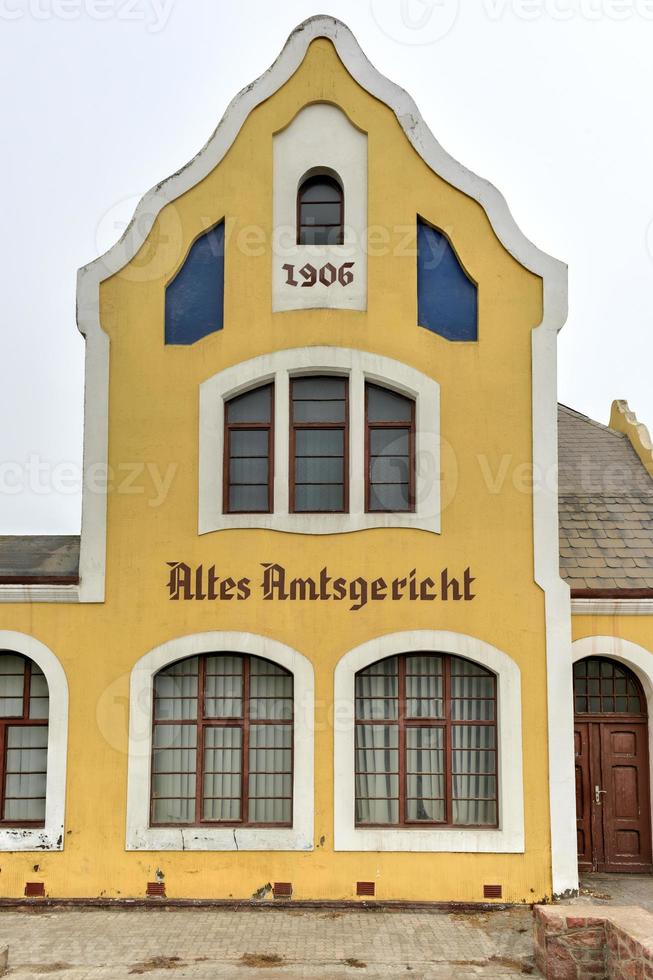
[586,418]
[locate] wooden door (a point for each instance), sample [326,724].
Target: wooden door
[625,802]
[613,809]
[584,813]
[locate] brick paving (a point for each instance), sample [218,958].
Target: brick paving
[202,944]
[599,889]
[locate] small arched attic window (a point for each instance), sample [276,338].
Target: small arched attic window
[320,210]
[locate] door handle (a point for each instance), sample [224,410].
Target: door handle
[597,794]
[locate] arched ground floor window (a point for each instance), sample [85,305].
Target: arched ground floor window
[222,743]
[221,746]
[430,759]
[426,750]
[23,741]
[33,744]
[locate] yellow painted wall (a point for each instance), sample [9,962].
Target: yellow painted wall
[485,415]
[636,629]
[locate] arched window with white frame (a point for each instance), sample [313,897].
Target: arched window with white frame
[33,744]
[319,440]
[221,746]
[430,758]
[426,749]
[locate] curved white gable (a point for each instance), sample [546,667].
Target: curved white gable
[553,273]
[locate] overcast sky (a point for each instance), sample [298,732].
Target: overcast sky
[548,99]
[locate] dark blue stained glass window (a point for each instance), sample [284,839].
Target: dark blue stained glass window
[446,296]
[195,297]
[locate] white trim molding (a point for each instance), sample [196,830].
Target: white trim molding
[140,835]
[554,274]
[639,659]
[39,593]
[359,367]
[612,607]
[51,836]
[509,836]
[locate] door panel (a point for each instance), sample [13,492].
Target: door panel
[583,803]
[626,806]
[614,832]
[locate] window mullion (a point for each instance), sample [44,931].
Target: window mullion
[401,707]
[199,761]
[356,455]
[281,443]
[412,462]
[3,767]
[26,688]
[244,767]
[448,742]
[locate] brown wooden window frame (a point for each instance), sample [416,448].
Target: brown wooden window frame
[297,426]
[243,722]
[369,427]
[634,690]
[230,427]
[18,721]
[446,723]
[311,178]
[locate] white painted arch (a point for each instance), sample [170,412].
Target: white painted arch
[51,836]
[140,835]
[509,836]
[639,660]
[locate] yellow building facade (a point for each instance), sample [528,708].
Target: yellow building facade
[315,639]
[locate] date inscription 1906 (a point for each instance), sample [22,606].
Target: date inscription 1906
[327,275]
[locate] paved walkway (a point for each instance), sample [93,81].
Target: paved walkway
[162,944]
[291,943]
[616,890]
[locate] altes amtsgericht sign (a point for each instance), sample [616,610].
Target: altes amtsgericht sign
[200,583]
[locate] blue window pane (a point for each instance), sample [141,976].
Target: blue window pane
[446,296]
[195,297]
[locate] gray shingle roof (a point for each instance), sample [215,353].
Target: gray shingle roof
[39,557]
[606,508]
[606,518]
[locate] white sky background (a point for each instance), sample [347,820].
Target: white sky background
[548,99]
